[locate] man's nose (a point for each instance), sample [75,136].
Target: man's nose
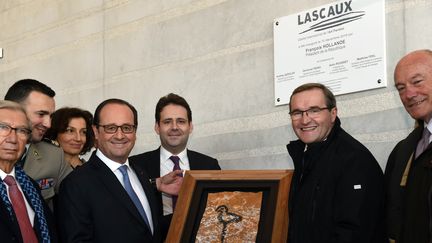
[119,133]
[305,117]
[46,122]
[174,125]
[410,92]
[12,137]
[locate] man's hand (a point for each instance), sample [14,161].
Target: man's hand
[170,183]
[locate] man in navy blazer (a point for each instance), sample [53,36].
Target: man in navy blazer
[109,199]
[173,124]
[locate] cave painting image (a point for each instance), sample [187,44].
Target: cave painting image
[230,217]
[224,217]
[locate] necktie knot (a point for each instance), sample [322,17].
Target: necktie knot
[426,133]
[123,170]
[10,181]
[176,161]
[423,142]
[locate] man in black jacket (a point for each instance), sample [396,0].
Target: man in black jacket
[337,188]
[408,171]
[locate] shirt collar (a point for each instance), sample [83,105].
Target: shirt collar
[165,154]
[27,146]
[110,163]
[3,174]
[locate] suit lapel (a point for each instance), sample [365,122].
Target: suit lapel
[154,169]
[194,163]
[148,190]
[6,220]
[113,185]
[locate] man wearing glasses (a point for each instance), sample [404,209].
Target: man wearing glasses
[109,199]
[24,215]
[337,188]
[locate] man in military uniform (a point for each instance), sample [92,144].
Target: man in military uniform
[42,161]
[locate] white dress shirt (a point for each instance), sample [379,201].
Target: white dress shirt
[136,185]
[166,166]
[30,210]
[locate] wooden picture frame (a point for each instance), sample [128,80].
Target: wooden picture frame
[275,185]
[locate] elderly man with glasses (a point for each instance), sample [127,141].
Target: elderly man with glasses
[337,191]
[24,215]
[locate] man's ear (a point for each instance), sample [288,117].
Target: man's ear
[333,113]
[156,127]
[95,131]
[191,127]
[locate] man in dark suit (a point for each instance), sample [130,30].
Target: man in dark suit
[408,170]
[173,124]
[109,199]
[43,162]
[24,215]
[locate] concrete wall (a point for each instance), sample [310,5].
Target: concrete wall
[218,54]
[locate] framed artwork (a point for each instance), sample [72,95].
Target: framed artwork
[232,206]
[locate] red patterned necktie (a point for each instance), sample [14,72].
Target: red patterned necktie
[18,204]
[176,161]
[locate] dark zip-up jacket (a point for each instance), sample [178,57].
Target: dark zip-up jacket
[337,192]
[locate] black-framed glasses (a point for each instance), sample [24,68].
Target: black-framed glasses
[312,112]
[111,128]
[21,132]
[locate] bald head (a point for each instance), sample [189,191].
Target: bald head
[413,80]
[413,58]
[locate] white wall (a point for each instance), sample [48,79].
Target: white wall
[218,54]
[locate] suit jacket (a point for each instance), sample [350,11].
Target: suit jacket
[45,164]
[409,188]
[94,207]
[150,162]
[9,228]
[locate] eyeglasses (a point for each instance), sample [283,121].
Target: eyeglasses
[311,113]
[125,128]
[21,132]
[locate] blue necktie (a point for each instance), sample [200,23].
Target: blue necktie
[132,194]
